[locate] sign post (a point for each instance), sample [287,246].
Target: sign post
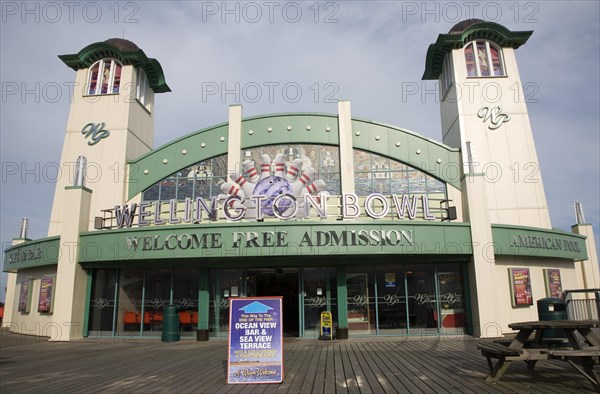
[255,340]
[326,325]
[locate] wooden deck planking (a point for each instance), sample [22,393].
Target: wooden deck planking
[370,365]
[329,369]
[413,382]
[448,361]
[350,377]
[398,380]
[422,382]
[374,382]
[418,356]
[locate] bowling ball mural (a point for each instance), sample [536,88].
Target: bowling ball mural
[272,186]
[272,179]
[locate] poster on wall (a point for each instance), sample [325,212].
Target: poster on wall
[255,340]
[520,285]
[553,283]
[25,296]
[45,304]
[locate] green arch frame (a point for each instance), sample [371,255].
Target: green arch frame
[429,156]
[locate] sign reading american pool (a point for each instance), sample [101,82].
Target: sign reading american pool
[255,341]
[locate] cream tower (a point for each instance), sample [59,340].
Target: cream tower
[111,121]
[484,114]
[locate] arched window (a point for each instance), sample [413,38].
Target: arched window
[483,59]
[105,77]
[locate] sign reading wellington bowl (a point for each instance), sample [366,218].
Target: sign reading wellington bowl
[255,341]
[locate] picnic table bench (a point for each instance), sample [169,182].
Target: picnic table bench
[532,343]
[583,360]
[582,356]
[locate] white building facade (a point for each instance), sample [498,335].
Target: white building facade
[393,233]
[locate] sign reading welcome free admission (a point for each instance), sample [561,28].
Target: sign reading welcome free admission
[255,340]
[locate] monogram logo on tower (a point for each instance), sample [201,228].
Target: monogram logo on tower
[95,131]
[494,115]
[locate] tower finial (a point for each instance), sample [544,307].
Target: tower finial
[24,228]
[579,216]
[80,171]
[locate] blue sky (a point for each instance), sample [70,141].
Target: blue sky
[312,54]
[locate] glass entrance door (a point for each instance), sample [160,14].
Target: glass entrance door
[267,282]
[319,294]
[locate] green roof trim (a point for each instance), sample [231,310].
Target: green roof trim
[102,50]
[113,249]
[32,254]
[524,241]
[431,157]
[491,31]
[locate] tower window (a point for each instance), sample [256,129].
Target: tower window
[105,77]
[447,78]
[143,89]
[483,59]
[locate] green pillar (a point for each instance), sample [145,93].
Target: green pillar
[342,295]
[88,296]
[203,301]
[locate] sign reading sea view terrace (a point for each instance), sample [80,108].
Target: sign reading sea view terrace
[255,340]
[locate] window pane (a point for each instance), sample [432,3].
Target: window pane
[320,292]
[421,297]
[105,76]
[117,78]
[102,302]
[152,193]
[452,298]
[223,284]
[94,78]
[470,60]
[363,184]
[157,294]
[496,61]
[416,181]
[391,299]
[185,187]
[185,296]
[167,188]
[361,301]
[130,302]
[484,64]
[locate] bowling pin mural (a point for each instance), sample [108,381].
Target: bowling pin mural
[265,166]
[283,178]
[302,182]
[293,170]
[232,189]
[247,187]
[315,187]
[279,162]
[250,171]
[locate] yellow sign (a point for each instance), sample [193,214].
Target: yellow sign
[326,325]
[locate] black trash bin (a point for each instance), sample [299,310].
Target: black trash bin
[552,309]
[170,332]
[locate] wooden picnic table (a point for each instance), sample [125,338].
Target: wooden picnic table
[582,355]
[583,327]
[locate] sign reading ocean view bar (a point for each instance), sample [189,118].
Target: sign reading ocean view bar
[255,340]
